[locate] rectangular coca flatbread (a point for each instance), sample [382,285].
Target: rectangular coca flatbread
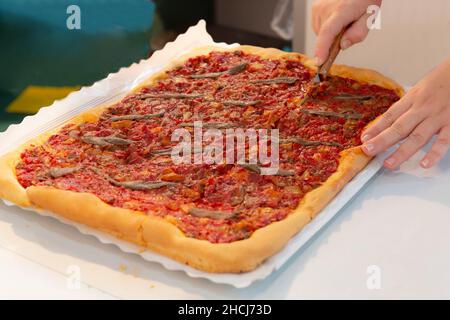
[112,168]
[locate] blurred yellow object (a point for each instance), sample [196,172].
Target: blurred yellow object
[35,97]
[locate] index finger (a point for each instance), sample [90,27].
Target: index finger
[387,118]
[328,31]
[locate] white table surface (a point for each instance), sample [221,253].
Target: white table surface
[400,222]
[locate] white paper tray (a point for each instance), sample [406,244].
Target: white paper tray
[114,87]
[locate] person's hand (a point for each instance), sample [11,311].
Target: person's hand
[421,113]
[329,17]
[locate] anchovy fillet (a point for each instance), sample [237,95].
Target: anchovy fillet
[348,96]
[168,151]
[162,152]
[141,185]
[345,115]
[304,100]
[106,141]
[257,169]
[135,185]
[280,80]
[60,172]
[212,125]
[136,116]
[206,75]
[285,173]
[212,214]
[237,68]
[232,71]
[239,103]
[308,143]
[251,167]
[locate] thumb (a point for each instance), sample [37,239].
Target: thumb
[356,33]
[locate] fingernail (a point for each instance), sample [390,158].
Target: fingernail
[345,44]
[425,163]
[390,162]
[365,138]
[368,147]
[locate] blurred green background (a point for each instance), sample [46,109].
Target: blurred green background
[38,48]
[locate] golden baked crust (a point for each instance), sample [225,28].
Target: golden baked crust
[163,237]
